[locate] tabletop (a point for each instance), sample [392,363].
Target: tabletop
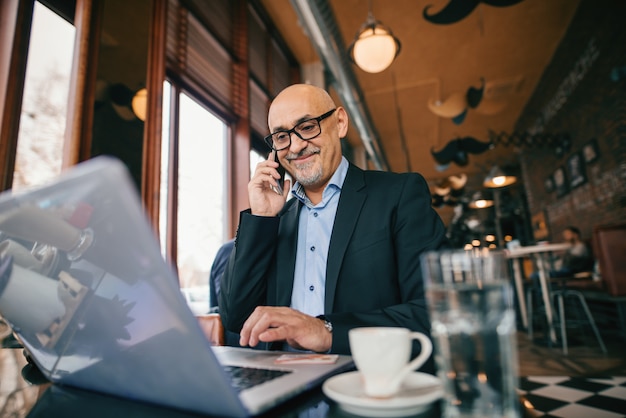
[536,249]
[546,396]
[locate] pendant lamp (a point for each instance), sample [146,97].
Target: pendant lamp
[374,47]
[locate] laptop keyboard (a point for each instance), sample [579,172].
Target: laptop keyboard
[246,377]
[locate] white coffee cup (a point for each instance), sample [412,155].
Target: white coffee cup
[382,355]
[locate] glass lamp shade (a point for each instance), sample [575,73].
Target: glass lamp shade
[498,178]
[374,48]
[139,103]
[480,200]
[481,204]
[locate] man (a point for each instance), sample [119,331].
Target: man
[217,270]
[577,258]
[344,253]
[215,280]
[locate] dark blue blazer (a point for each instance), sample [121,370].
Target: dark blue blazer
[384,222]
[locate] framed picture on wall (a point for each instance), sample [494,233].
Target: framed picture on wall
[591,151]
[549,184]
[560,182]
[576,170]
[540,226]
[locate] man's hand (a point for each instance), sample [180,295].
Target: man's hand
[263,200]
[269,323]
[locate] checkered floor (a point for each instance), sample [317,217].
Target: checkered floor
[576,397]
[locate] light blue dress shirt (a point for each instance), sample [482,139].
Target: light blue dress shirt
[314,230]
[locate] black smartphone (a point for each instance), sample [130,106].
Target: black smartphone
[281,180]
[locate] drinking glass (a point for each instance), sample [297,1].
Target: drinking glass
[470,301]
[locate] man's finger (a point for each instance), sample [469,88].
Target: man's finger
[259,321]
[279,333]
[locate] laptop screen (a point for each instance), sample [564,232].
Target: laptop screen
[86,290]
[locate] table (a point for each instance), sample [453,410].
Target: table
[558,396]
[19,398]
[538,253]
[39,400]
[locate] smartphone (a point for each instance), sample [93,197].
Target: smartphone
[281,180]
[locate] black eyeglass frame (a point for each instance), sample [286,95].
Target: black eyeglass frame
[270,143]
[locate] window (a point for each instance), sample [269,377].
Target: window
[255,158]
[43,116]
[200,144]
[209,92]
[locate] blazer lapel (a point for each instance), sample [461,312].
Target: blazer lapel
[350,204]
[286,260]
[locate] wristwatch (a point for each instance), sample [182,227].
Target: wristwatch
[327,324]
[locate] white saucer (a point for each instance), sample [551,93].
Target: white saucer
[417,393]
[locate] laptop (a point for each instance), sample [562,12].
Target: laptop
[85,289]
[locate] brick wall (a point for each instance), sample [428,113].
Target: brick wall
[578,95]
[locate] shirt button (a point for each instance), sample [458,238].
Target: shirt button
[312,248]
[315,214]
[311,288]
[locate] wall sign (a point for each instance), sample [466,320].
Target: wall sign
[567,86]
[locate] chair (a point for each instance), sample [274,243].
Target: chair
[561,295]
[609,247]
[560,292]
[212,326]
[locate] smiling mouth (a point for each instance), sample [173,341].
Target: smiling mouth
[304,157]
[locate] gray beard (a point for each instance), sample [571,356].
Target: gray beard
[307,177]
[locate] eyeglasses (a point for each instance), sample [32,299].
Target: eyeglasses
[306,130]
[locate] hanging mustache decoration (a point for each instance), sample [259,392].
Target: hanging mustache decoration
[456,151]
[449,191]
[457,10]
[457,104]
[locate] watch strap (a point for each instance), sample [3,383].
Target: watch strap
[327,323]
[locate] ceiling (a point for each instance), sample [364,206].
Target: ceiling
[507,47]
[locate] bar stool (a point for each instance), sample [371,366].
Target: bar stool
[560,296]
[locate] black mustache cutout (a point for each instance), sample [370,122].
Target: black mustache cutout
[457,10]
[456,150]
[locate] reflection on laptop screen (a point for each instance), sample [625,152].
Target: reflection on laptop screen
[86,291]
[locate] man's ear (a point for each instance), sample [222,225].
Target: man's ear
[342,122]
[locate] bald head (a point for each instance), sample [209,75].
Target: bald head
[306,98]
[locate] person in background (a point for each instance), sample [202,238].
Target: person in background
[217,270]
[577,258]
[215,277]
[344,253]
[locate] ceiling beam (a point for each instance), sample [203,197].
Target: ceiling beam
[317,18]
